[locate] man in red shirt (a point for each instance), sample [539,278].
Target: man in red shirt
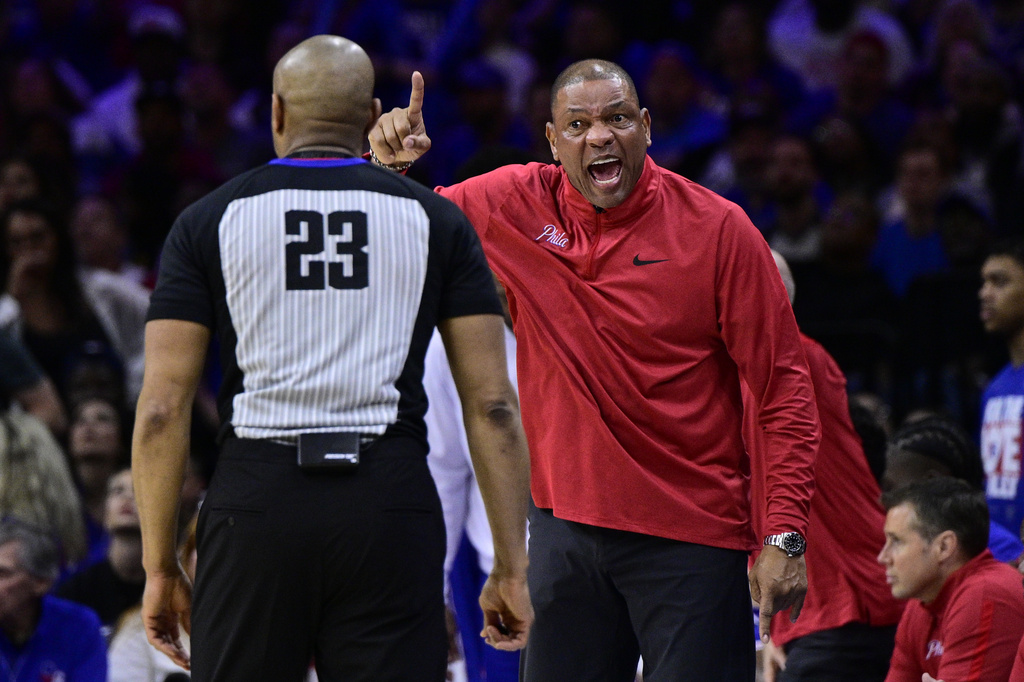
[965,617]
[846,628]
[639,301]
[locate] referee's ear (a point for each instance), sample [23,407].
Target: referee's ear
[277,124]
[276,113]
[375,111]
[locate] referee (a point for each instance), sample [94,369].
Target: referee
[323,276]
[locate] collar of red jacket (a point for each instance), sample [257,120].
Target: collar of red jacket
[955,580]
[626,214]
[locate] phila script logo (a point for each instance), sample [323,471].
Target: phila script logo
[551,234]
[934,649]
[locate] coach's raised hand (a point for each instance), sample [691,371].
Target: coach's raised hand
[400,137]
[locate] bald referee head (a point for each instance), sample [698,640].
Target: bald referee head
[323,97]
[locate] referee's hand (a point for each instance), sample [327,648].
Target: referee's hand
[167,605]
[508,613]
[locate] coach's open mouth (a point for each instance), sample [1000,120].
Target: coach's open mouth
[605,171]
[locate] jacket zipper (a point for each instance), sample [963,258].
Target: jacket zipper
[589,273]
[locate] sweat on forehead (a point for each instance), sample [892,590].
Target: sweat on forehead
[591,70]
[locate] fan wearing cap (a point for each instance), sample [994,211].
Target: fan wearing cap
[110,128]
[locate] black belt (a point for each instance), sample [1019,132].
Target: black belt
[272,451]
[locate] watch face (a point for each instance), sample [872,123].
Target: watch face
[792,543]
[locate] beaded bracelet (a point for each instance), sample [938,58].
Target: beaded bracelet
[398,167]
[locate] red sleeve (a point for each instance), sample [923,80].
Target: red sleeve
[981,635]
[762,338]
[904,666]
[480,196]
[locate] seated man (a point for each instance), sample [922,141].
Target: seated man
[965,617]
[848,623]
[43,637]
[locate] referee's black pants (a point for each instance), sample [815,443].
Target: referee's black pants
[603,597]
[344,569]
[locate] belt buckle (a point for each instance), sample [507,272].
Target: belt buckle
[337,451]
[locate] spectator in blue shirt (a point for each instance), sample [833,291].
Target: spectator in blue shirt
[43,637]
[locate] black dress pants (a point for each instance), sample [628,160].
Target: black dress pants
[855,652]
[344,569]
[603,597]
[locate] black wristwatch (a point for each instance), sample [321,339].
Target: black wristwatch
[793,544]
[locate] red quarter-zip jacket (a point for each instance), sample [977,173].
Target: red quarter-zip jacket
[634,325]
[969,633]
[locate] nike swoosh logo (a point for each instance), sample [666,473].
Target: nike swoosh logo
[637,261]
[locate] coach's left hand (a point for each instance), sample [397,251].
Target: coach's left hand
[508,613]
[777,582]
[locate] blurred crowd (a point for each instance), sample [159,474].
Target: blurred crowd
[878,145]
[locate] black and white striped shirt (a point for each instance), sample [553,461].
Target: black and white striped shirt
[323,280]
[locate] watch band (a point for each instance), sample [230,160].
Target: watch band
[792,543]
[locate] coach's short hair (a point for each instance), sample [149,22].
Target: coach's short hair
[945,503]
[592,70]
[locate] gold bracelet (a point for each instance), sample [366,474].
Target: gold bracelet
[398,167]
